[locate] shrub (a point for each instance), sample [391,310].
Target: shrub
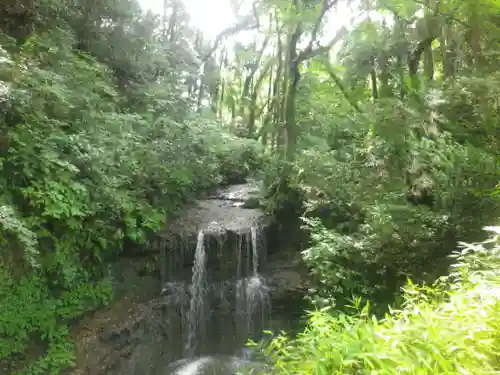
[451,327]
[80,177]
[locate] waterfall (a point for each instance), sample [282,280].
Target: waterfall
[214,295]
[254,233]
[196,306]
[252,300]
[243,298]
[227,299]
[192,367]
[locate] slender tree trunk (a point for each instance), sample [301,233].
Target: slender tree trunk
[292,79]
[475,37]
[201,92]
[449,51]
[292,128]
[373,80]
[428,56]
[277,94]
[221,100]
[428,64]
[253,99]
[244,95]
[173,21]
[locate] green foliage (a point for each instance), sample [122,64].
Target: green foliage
[238,158]
[98,147]
[29,310]
[13,225]
[235,157]
[392,191]
[450,327]
[394,152]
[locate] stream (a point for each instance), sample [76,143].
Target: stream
[220,286]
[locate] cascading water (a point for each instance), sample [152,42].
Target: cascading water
[228,298]
[197,289]
[254,234]
[252,302]
[250,293]
[213,296]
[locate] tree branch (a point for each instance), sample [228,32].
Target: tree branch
[414,56]
[311,52]
[448,16]
[331,72]
[249,23]
[260,55]
[255,13]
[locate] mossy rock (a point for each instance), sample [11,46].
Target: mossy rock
[252,203]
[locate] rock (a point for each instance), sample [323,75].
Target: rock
[287,276]
[285,283]
[252,203]
[240,192]
[226,218]
[137,341]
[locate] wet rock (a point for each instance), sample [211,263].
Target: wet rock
[285,282]
[138,341]
[142,337]
[234,208]
[287,277]
[252,203]
[242,192]
[227,219]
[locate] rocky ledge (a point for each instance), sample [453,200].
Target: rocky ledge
[231,209]
[139,333]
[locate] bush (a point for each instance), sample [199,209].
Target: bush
[237,157]
[29,311]
[80,177]
[391,192]
[451,327]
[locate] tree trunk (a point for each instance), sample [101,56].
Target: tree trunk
[373,80]
[475,38]
[201,92]
[449,51]
[292,80]
[428,57]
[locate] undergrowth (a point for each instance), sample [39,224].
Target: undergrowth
[82,173]
[450,327]
[30,313]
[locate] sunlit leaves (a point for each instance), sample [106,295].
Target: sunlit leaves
[405,9]
[419,338]
[98,147]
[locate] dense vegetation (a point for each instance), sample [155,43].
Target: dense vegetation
[98,147]
[451,327]
[384,137]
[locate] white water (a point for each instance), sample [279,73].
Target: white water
[254,234]
[192,368]
[250,299]
[197,289]
[251,291]
[220,365]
